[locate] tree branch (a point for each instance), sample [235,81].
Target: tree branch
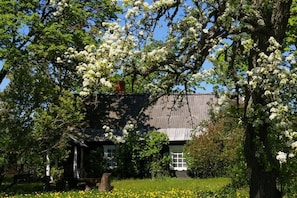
[3,74]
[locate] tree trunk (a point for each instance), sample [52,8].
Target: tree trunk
[262,179]
[262,164]
[263,184]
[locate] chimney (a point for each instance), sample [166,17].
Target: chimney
[120,87]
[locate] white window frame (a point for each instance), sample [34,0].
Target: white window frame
[109,155]
[178,161]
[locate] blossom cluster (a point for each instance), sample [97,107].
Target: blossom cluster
[128,45]
[59,6]
[109,133]
[98,65]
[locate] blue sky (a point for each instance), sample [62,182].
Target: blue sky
[3,84]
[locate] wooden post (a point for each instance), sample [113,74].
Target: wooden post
[104,185]
[47,177]
[75,168]
[48,166]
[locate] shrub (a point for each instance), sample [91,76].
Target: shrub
[143,156]
[157,160]
[238,172]
[129,163]
[214,152]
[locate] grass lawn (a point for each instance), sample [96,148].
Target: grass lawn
[212,184]
[151,188]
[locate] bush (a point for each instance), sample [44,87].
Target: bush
[215,152]
[143,156]
[157,160]
[239,172]
[129,162]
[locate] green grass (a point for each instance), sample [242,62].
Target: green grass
[148,188]
[211,184]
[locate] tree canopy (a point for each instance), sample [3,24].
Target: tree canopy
[245,42]
[38,107]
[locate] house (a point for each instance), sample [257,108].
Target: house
[174,115]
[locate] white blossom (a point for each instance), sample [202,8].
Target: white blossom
[59,60]
[272,116]
[222,99]
[291,155]
[281,157]
[294,145]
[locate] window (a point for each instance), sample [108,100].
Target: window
[177,156]
[109,155]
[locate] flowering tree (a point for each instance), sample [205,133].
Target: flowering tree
[244,41]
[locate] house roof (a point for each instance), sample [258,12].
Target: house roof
[173,114]
[173,111]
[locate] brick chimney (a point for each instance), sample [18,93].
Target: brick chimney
[120,87]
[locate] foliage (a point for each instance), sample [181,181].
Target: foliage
[96,165]
[291,38]
[154,155]
[214,150]
[129,163]
[144,154]
[3,156]
[287,180]
[52,125]
[37,107]
[57,173]
[242,39]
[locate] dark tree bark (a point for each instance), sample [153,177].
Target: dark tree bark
[263,180]
[3,74]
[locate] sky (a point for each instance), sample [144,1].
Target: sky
[3,84]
